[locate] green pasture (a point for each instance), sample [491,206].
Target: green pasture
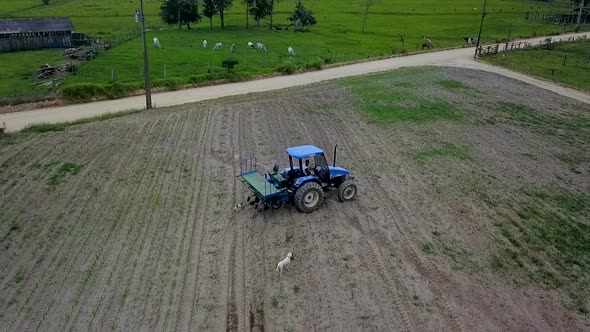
[336,38]
[566,63]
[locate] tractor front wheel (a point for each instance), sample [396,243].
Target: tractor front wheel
[347,191]
[308,197]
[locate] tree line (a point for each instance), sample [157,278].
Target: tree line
[186,12]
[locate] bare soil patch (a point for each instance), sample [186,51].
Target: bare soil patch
[472,213]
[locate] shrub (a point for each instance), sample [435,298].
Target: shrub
[316,65]
[286,68]
[170,83]
[229,64]
[91,91]
[83,91]
[328,59]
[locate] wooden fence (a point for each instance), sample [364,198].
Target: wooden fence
[21,43]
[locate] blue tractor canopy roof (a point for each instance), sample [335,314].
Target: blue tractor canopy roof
[304,151]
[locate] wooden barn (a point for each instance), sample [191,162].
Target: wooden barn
[35,33]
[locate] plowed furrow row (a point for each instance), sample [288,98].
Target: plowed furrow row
[187,301]
[146,230]
[87,247]
[95,308]
[198,135]
[55,251]
[82,309]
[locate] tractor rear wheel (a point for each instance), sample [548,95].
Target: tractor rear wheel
[308,197]
[347,191]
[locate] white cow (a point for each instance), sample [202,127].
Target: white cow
[232,48]
[250,44]
[205,43]
[291,51]
[157,43]
[217,46]
[260,47]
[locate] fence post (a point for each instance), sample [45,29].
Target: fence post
[564,59]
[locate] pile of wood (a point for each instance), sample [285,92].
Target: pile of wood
[47,70]
[80,53]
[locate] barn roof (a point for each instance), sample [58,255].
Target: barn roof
[32,25]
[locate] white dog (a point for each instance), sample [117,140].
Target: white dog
[285,263]
[238,206]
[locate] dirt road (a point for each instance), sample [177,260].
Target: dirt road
[455,58]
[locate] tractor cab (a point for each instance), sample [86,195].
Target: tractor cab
[309,162]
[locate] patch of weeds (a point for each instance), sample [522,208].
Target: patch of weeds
[284,241]
[452,84]
[352,284]
[423,111]
[212,252]
[347,258]
[19,276]
[209,306]
[276,299]
[64,170]
[571,128]
[44,166]
[461,259]
[549,242]
[49,127]
[443,150]
[428,248]
[530,156]
[289,329]
[2,301]
[214,276]
[573,161]
[13,225]
[296,289]
[406,85]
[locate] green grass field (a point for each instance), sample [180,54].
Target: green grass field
[337,36]
[549,63]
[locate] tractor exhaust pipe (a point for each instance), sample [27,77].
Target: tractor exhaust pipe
[335,147]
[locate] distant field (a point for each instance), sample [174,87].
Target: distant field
[549,63]
[337,36]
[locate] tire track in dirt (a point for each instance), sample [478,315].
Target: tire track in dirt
[148,260]
[187,292]
[151,313]
[424,265]
[197,169]
[326,135]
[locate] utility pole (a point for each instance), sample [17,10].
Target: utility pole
[483,15]
[580,13]
[146,70]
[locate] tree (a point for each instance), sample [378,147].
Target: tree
[45,2]
[221,6]
[368,4]
[248,4]
[301,17]
[209,10]
[272,9]
[180,12]
[260,9]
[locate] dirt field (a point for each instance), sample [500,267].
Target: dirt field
[472,213]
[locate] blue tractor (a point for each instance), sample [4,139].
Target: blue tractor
[303,183]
